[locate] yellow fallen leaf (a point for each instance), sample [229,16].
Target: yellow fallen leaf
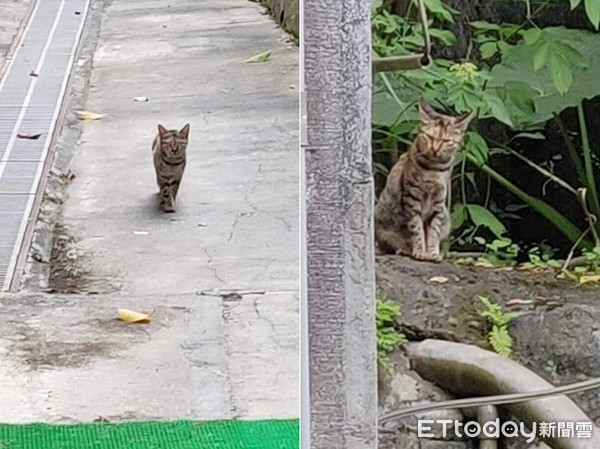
[438,279]
[261,57]
[591,278]
[483,263]
[86,115]
[130,316]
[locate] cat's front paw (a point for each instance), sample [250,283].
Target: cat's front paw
[167,207]
[427,257]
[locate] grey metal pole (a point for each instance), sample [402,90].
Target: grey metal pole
[304,350]
[340,282]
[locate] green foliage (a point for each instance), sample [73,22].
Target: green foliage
[388,337]
[528,76]
[560,74]
[588,270]
[501,341]
[592,257]
[480,216]
[541,257]
[500,251]
[592,10]
[498,337]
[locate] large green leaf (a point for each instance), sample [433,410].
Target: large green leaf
[458,215]
[445,36]
[592,9]
[539,59]
[498,109]
[561,74]
[392,101]
[477,147]
[439,9]
[480,216]
[518,65]
[566,227]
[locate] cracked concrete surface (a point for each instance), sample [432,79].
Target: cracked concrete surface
[66,358]
[221,273]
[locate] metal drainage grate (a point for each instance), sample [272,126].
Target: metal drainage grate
[31,95]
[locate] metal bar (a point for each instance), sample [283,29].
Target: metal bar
[47,47]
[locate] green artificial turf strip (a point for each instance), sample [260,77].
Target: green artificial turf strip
[268,434]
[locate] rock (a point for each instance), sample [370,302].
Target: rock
[561,343]
[407,388]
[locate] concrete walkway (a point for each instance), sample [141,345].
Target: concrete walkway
[221,273]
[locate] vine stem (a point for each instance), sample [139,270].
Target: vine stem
[587,158]
[569,260]
[579,193]
[571,149]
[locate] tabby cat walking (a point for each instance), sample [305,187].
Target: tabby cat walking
[411,216]
[168,150]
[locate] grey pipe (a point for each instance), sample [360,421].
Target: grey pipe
[469,371]
[485,414]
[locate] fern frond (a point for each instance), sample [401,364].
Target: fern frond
[501,340]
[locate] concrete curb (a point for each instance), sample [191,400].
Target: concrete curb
[36,272]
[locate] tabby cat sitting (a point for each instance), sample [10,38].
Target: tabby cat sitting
[411,216]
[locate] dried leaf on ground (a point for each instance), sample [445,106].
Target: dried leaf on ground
[261,57]
[518,302]
[29,136]
[593,278]
[86,115]
[438,279]
[131,316]
[483,263]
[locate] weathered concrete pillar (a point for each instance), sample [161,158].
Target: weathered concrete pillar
[339,229]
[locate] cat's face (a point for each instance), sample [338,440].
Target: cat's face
[172,142]
[440,135]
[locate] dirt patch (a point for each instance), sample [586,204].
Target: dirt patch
[450,310]
[70,269]
[52,332]
[557,336]
[58,354]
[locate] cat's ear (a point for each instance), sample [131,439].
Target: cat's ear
[185,131]
[462,121]
[426,112]
[162,130]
